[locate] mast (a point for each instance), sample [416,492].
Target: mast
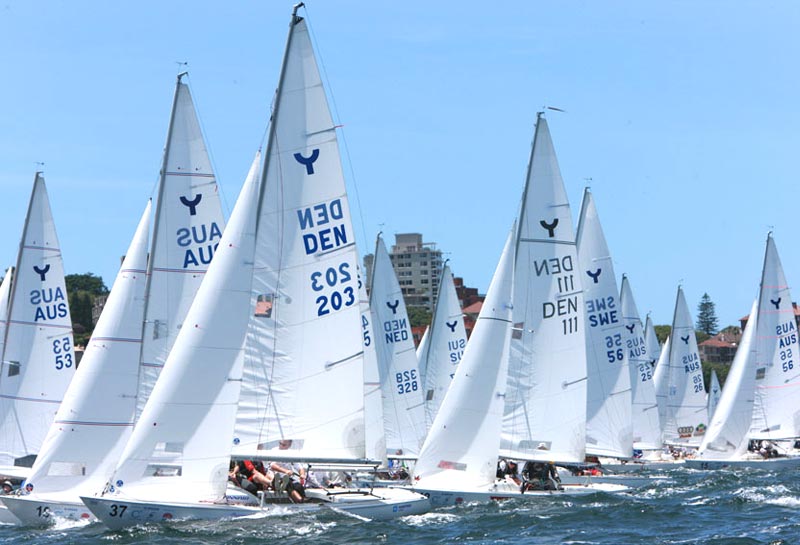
[156,218]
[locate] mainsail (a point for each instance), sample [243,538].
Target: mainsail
[776,414]
[187,228]
[38,358]
[608,411]
[686,414]
[305,336]
[545,410]
[641,360]
[403,407]
[445,345]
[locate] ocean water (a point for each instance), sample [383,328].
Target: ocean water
[688,507]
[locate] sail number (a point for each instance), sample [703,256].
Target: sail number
[645,371]
[365,329]
[786,360]
[332,278]
[43,510]
[407,381]
[117,510]
[62,350]
[698,383]
[614,345]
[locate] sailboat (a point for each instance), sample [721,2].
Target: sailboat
[94,419]
[446,340]
[245,378]
[127,352]
[759,401]
[38,360]
[521,384]
[609,430]
[686,412]
[646,425]
[401,383]
[545,409]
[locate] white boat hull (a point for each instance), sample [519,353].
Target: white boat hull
[504,491]
[764,463]
[35,511]
[636,467]
[625,479]
[6,516]
[378,504]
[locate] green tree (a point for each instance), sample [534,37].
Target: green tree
[707,321]
[87,282]
[418,316]
[662,332]
[82,290]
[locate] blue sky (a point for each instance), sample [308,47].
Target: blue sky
[684,115]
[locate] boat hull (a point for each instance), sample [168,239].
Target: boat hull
[444,498]
[766,463]
[380,504]
[7,517]
[33,511]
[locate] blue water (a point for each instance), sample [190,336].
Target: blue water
[713,508]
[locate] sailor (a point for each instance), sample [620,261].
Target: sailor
[8,488]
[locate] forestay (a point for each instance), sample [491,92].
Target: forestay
[180,447]
[38,358]
[686,414]
[96,417]
[641,361]
[187,228]
[545,411]
[726,437]
[403,408]
[446,343]
[303,385]
[608,410]
[776,414]
[460,451]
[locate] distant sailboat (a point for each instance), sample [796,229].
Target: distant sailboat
[759,401]
[686,412]
[641,359]
[401,383]
[609,429]
[446,340]
[38,358]
[659,358]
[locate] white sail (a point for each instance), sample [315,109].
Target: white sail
[460,451]
[422,353]
[641,361]
[726,437]
[714,393]
[658,358]
[546,397]
[609,429]
[374,434]
[403,406]
[180,447]
[445,346]
[687,417]
[776,413]
[5,296]
[96,417]
[38,358]
[187,228]
[303,385]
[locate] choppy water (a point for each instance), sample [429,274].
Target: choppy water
[715,508]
